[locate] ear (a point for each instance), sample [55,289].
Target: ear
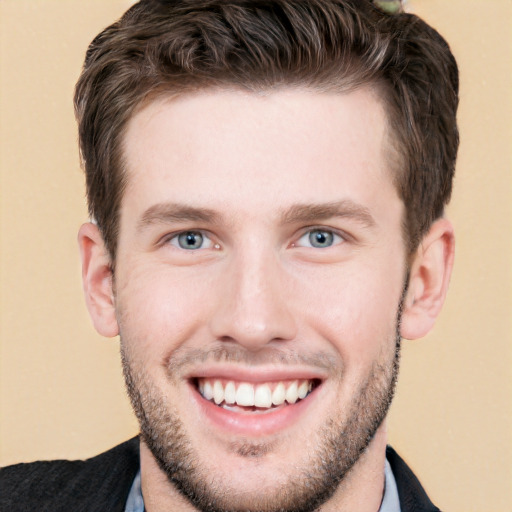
[428,281]
[97,280]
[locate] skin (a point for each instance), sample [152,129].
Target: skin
[257,291]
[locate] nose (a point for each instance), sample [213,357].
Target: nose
[252,308]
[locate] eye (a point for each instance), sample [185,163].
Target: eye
[319,239]
[191,240]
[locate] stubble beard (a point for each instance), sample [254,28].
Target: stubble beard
[340,444]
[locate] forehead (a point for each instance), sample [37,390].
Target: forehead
[258,149]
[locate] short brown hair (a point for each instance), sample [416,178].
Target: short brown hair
[170,46]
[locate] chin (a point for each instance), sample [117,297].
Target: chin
[216,457]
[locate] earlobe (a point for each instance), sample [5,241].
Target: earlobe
[97,280]
[428,282]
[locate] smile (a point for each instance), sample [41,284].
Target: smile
[248,396]
[238,403]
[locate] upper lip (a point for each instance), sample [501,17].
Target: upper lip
[256,374]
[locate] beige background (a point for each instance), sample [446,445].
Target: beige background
[61,388]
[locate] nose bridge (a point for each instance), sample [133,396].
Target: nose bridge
[252,309]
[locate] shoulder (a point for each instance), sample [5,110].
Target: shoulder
[102,482]
[413,497]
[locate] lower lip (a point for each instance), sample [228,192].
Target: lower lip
[253,424]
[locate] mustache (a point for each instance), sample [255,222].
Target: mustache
[182,360]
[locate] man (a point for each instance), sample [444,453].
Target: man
[267,181]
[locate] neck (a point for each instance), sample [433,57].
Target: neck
[362,488]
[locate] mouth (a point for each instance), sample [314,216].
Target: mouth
[250,397]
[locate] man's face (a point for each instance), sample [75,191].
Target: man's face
[258,279]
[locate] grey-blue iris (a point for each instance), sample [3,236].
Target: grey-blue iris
[190,240]
[321,239]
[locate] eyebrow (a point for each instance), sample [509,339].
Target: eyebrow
[299,213]
[175,212]
[306,213]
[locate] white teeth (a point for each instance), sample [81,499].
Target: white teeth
[230,393]
[278,395]
[263,396]
[303,389]
[291,393]
[208,390]
[218,392]
[245,395]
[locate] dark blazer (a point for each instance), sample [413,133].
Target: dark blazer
[102,484]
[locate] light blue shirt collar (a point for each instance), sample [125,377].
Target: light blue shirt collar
[390,500]
[135,501]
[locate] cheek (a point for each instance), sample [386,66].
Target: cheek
[356,312]
[159,311]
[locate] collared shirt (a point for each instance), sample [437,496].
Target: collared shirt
[135,502]
[390,501]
